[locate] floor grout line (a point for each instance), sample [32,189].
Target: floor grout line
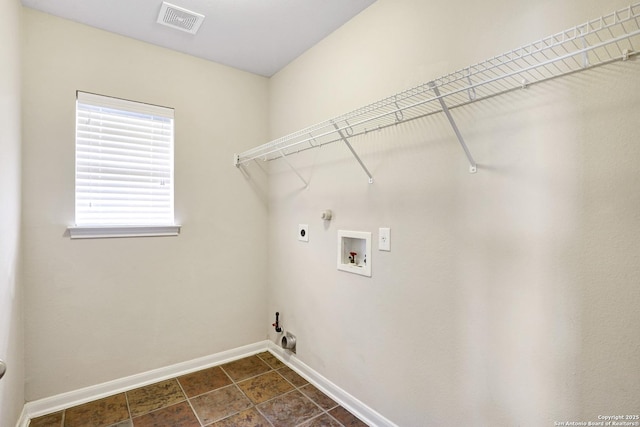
[189,402]
[264,416]
[126,398]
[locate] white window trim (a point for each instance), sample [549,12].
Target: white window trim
[123,231]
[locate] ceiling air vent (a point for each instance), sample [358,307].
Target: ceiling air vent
[179,18]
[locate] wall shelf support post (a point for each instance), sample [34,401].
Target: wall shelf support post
[346,141]
[284,157]
[585,53]
[472,163]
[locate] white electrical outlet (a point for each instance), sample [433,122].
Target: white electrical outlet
[384,239]
[303,232]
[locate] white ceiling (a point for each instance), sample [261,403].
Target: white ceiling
[259,36]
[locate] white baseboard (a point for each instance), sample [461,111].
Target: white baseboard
[23,421]
[77,397]
[62,401]
[347,401]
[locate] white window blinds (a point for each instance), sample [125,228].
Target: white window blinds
[124,162]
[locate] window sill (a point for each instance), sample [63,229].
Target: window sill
[103,232]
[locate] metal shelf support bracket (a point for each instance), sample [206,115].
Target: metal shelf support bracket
[346,141]
[236,162]
[284,157]
[473,167]
[585,53]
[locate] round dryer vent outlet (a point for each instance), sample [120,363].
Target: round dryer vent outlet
[288,342]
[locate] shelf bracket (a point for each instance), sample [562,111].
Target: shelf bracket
[471,92]
[585,53]
[472,163]
[346,141]
[284,157]
[398,113]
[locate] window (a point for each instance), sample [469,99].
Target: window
[124,168]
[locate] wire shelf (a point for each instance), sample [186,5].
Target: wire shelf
[612,37]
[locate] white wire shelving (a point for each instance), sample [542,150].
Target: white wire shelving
[612,37]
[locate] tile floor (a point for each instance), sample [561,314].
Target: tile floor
[257,391]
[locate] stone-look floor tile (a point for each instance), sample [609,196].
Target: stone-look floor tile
[249,418]
[219,404]
[99,413]
[179,415]
[271,360]
[323,420]
[264,387]
[127,423]
[245,368]
[204,381]
[51,420]
[289,410]
[292,376]
[321,399]
[346,417]
[155,396]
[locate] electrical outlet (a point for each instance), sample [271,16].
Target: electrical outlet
[303,232]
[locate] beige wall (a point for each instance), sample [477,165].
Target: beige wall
[103,309]
[510,296]
[11,327]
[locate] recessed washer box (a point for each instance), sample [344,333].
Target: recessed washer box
[354,252]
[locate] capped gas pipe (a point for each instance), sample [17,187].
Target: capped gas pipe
[277,324]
